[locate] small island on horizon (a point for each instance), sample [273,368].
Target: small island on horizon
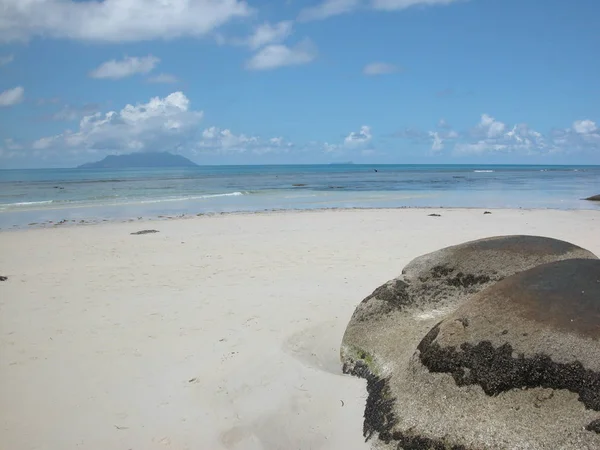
[140,160]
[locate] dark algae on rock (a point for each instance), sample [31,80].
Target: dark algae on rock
[562,299]
[504,329]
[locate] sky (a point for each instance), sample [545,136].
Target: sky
[300,81]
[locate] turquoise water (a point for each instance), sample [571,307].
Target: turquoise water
[44,195]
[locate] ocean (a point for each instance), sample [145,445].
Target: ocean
[41,196]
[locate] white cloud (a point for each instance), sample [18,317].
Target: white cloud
[269,34]
[12,145]
[327,9]
[70,113]
[12,96]
[9,149]
[160,124]
[330,148]
[359,138]
[4,60]
[479,148]
[279,55]
[491,137]
[584,126]
[395,5]
[379,68]
[330,8]
[356,140]
[490,126]
[438,139]
[438,143]
[44,143]
[583,136]
[116,20]
[216,138]
[223,141]
[128,66]
[163,78]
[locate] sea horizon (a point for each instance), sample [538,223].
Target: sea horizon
[50,195]
[348,163]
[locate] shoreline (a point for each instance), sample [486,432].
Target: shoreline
[161,218]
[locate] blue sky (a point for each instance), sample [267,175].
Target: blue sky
[260,82]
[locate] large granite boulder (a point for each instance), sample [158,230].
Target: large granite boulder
[394,334]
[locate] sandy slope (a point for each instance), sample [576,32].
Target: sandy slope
[216,333]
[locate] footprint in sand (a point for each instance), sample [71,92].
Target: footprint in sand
[287,427]
[317,346]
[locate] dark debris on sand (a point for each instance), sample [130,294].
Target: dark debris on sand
[3,278]
[145,232]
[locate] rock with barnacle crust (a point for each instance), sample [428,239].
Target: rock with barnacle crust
[421,343]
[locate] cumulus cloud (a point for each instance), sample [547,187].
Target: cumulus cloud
[9,149]
[439,138]
[395,5]
[222,141]
[12,145]
[128,66]
[359,138]
[379,68]
[438,143]
[279,55]
[116,20]
[159,124]
[354,141]
[164,78]
[328,8]
[12,96]
[584,135]
[490,126]
[4,60]
[491,136]
[269,34]
[584,126]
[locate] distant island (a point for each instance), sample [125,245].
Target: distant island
[343,163]
[140,160]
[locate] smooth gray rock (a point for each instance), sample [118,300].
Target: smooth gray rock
[381,340]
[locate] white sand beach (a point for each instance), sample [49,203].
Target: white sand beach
[218,332]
